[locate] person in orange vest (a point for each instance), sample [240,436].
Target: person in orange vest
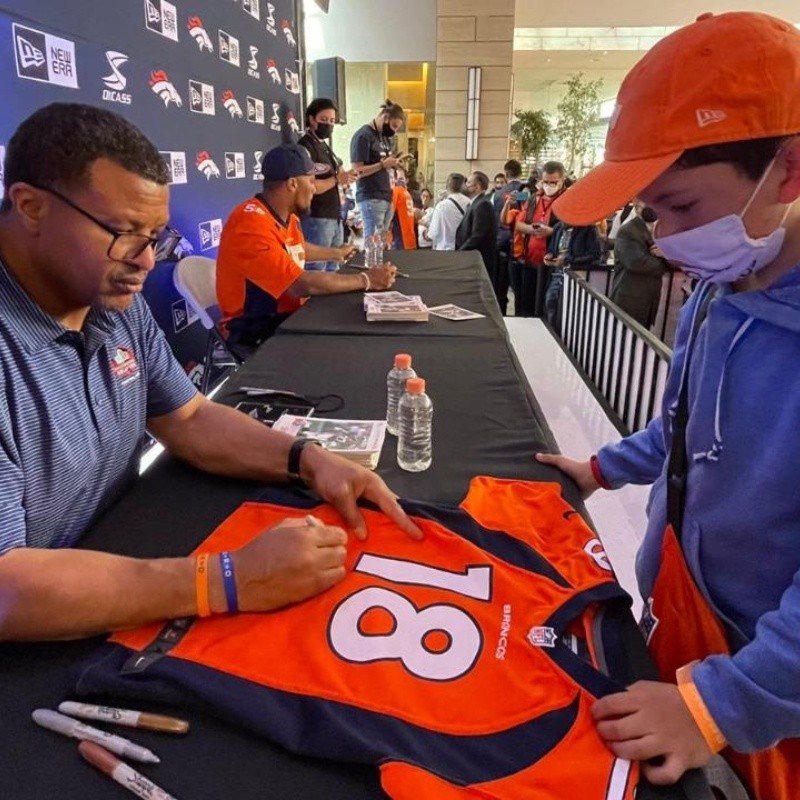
[706,132]
[404,225]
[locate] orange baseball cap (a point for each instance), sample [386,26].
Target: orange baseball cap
[723,78]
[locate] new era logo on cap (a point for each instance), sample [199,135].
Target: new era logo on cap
[707,116]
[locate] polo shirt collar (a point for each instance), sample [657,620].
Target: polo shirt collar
[33,325]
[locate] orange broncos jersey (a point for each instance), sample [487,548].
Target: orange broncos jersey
[451,664]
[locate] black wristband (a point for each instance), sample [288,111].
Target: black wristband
[293,466]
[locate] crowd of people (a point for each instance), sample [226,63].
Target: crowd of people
[711,155]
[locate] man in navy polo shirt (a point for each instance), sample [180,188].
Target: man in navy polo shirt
[84,370]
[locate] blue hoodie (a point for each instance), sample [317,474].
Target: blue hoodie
[741,529]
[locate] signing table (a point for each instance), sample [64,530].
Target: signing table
[486,421]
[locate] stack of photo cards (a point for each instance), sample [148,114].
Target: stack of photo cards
[357,440]
[456,313]
[394,307]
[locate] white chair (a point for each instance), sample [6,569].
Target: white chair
[195,278]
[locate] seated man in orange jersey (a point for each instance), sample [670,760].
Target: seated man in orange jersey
[260,275]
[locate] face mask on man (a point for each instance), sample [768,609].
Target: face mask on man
[722,251]
[550,190]
[324,130]
[387,130]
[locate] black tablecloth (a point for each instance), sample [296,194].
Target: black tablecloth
[438,277]
[485,422]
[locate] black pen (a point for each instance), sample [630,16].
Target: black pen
[361,266]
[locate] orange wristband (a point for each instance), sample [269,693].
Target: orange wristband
[697,708]
[201,586]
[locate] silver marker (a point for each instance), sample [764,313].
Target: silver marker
[67,726]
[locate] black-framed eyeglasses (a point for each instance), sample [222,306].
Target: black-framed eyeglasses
[124,246]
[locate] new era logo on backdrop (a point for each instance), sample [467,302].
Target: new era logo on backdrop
[228,48]
[257,174]
[176,164]
[234,166]
[161,85]
[161,17]
[255,110]
[292,81]
[210,232]
[201,98]
[199,34]
[115,81]
[45,58]
[275,120]
[252,7]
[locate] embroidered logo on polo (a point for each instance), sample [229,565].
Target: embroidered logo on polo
[235,166]
[210,232]
[123,364]
[255,110]
[257,174]
[292,81]
[44,58]
[287,32]
[206,165]
[199,34]
[161,85]
[272,71]
[252,64]
[161,17]
[275,121]
[232,104]
[270,19]
[228,48]
[252,7]
[115,81]
[176,164]
[201,98]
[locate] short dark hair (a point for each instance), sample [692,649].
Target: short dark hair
[320,104]
[455,182]
[56,146]
[482,179]
[394,110]
[500,175]
[512,168]
[749,157]
[554,166]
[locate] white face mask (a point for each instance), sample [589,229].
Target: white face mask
[550,191]
[721,251]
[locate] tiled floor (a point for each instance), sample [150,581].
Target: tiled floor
[580,427]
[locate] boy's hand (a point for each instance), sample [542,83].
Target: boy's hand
[650,720]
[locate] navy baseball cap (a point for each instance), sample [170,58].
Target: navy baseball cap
[287,161]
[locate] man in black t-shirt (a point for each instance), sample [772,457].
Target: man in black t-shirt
[323,224]
[372,155]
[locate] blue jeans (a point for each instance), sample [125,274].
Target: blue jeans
[324,233]
[376,214]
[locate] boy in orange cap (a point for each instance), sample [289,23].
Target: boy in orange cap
[707,132]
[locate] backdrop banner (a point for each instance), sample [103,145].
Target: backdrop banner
[213,83]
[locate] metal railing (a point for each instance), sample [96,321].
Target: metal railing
[627,364]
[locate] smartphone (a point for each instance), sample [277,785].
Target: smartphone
[269,413]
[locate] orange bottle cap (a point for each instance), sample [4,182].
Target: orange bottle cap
[415,385]
[402,361]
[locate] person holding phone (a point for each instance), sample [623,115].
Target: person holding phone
[533,223]
[372,153]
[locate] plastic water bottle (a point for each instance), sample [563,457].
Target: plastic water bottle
[414,444]
[381,243]
[395,388]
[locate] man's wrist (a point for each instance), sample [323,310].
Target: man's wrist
[297,469]
[698,710]
[597,473]
[366,281]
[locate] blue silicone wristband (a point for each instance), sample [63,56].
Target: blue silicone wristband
[229,581]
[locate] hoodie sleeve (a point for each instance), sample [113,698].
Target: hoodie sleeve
[754,696]
[638,458]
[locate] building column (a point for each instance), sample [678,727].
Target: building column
[473,33]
